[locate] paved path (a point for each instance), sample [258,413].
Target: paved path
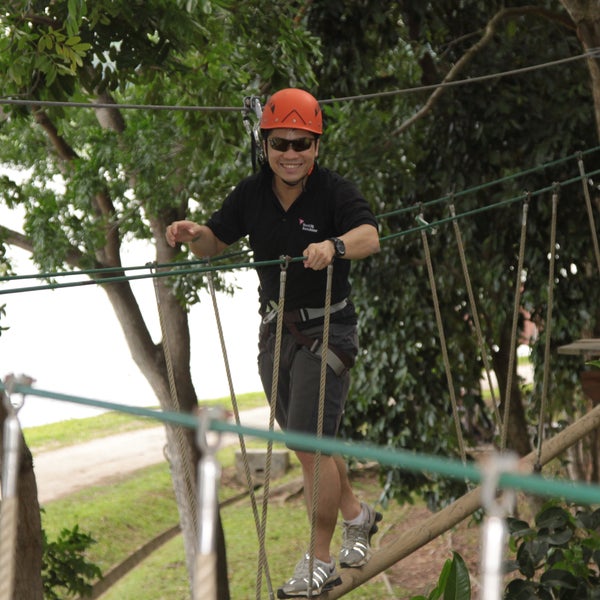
[66,470]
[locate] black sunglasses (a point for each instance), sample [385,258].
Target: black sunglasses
[298,145]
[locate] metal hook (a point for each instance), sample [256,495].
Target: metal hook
[10,382]
[285,262]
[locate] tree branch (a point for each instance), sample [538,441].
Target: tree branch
[20,240]
[465,59]
[65,151]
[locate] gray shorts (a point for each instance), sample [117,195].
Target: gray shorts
[300,375]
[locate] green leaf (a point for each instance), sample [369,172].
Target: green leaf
[458,585]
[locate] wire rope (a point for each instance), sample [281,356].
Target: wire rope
[591,53]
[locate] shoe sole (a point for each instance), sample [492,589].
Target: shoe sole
[304,594]
[374,529]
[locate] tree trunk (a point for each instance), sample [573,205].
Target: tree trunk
[28,549]
[586,16]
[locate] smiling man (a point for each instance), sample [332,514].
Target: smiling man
[294,208]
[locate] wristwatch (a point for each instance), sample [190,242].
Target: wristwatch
[339,246]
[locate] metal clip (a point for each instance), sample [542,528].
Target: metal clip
[495,532]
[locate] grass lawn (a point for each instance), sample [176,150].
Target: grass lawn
[132,511]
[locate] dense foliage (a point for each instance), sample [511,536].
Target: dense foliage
[556,557]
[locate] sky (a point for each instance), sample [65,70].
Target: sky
[70,342]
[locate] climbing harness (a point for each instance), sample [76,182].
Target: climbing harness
[337,359]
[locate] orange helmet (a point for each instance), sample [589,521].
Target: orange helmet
[292,108]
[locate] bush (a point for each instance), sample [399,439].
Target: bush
[559,557]
[65,569]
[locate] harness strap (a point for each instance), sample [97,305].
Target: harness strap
[337,359]
[301,315]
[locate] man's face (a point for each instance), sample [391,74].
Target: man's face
[291,162]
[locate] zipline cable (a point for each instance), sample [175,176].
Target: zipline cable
[166,272]
[591,53]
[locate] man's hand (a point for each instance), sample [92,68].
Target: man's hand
[319,255]
[182,232]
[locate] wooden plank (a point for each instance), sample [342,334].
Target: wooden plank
[584,346]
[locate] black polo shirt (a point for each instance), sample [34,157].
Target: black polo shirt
[329,206]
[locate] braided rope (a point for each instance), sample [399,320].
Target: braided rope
[8,528]
[205,587]
[515,325]
[546,378]
[588,204]
[440,326]
[236,411]
[475,315]
[272,407]
[188,473]
[320,415]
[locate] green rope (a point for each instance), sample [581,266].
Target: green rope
[575,492]
[174,270]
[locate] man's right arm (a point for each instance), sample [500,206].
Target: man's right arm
[201,239]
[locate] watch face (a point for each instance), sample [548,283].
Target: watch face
[340,248]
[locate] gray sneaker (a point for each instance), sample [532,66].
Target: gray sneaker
[324,577]
[356,549]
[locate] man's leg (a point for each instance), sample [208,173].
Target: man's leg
[328,501]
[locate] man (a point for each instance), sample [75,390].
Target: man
[293,207]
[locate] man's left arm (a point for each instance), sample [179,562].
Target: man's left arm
[360,242]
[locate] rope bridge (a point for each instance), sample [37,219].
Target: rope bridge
[205,496]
